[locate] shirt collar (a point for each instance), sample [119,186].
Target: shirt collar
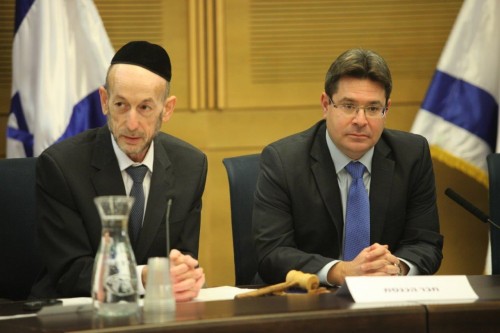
[124,161]
[340,160]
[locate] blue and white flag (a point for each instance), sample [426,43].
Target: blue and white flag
[459,116]
[61,53]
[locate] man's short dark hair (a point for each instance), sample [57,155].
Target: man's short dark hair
[361,64]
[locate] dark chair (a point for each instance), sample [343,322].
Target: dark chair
[19,254]
[494,203]
[242,172]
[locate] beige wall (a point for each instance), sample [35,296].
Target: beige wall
[248,72]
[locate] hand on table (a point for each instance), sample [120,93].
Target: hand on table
[186,277]
[375,260]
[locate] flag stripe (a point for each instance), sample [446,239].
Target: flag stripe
[22,8]
[81,119]
[464,105]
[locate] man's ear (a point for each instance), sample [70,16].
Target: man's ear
[168,108]
[325,101]
[388,105]
[103,94]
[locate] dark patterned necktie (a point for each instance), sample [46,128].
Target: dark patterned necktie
[137,192]
[357,220]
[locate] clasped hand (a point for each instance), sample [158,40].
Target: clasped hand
[187,278]
[375,260]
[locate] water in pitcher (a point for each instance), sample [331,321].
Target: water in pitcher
[114,283]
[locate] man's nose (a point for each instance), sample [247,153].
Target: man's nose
[132,119]
[360,116]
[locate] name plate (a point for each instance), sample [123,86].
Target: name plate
[408,288]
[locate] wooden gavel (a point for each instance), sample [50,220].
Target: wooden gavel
[294,278]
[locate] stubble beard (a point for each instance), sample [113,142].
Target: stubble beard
[133,151]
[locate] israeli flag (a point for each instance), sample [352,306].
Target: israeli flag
[459,116]
[60,56]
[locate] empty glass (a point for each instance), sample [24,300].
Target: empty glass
[159,301]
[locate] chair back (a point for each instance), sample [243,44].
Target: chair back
[493,161]
[19,255]
[242,172]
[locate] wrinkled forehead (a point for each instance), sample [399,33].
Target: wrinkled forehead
[133,72]
[126,74]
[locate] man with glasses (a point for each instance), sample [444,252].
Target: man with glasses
[348,197]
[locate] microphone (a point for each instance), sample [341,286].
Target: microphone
[469,207]
[167,225]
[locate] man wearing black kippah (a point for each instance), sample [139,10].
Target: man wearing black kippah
[70,174]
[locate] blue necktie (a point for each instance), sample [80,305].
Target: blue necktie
[357,220]
[137,213]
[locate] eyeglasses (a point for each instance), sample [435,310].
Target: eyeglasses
[371,111]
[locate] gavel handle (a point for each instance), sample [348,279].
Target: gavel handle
[267,290]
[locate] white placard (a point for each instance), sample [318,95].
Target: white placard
[410,288]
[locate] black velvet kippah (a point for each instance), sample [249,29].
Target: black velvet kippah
[152,57]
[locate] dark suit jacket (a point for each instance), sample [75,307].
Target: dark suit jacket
[298,217]
[71,173]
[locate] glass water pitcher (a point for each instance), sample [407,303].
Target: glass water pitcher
[115,281]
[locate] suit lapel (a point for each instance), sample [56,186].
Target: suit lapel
[106,179]
[380,188]
[161,189]
[324,173]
